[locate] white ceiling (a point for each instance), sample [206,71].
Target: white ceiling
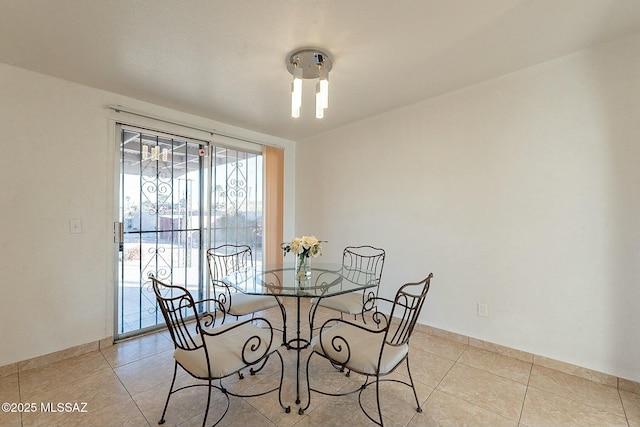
[225,59]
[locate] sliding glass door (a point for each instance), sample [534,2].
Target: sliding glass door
[177,198]
[236,199]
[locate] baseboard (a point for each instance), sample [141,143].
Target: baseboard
[38,361]
[567,368]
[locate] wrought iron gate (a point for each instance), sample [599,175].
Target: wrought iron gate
[161,220]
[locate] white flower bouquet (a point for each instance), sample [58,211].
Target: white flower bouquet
[303,247]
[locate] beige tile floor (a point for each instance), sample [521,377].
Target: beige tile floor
[458,385]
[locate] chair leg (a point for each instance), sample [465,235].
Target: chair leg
[166,404]
[206,411]
[413,387]
[378,401]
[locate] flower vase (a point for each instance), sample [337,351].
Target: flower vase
[303,268]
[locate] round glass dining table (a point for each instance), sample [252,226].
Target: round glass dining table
[282,280]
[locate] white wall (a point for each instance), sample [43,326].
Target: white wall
[57,163]
[521,192]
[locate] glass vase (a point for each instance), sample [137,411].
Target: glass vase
[303,268]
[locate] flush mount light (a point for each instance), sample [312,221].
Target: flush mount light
[309,63]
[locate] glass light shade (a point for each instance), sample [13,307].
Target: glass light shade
[319,102]
[296,97]
[296,93]
[324,87]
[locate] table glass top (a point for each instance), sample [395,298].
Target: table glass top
[325,280]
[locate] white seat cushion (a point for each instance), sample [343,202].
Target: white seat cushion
[242,304]
[346,303]
[225,350]
[363,349]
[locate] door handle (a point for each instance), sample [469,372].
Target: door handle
[118,232]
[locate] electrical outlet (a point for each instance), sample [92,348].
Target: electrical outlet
[483,309]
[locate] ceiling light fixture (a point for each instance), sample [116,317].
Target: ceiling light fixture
[153,153]
[309,63]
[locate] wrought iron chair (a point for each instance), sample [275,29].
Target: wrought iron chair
[224,260]
[356,260]
[213,353]
[373,352]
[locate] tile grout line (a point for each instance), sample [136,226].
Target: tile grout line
[125,388]
[624,410]
[20,397]
[580,402]
[457,361]
[526,392]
